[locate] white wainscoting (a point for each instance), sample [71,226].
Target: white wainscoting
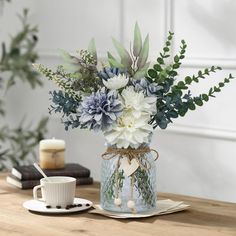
[197,152]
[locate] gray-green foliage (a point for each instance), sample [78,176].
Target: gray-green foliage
[134,61]
[17,145]
[19,56]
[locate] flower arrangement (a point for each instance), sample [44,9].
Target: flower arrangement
[125,99]
[128,98]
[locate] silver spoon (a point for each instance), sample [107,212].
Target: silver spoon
[41,172]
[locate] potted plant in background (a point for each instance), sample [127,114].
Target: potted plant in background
[126,100]
[17,145]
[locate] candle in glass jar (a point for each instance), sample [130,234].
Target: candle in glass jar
[52,153]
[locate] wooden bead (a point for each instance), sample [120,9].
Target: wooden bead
[117,201]
[131,204]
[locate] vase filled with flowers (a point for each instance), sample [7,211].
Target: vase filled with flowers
[126,99]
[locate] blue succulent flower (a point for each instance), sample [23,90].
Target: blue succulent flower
[149,89]
[108,73]
[100,110]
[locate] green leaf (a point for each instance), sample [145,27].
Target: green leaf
[191,106]
[173,73]
[205,97]
[113,62]
[173,114]
[144,53]
[157,67]
[182,112]
[176,59]
[137,46]
[109,55]
[160,60]
[92,48]
[221,84]
[168,43]
[166,49]
[141,72]
[152,73]
[181,85]
[65,55]
[195,79]
[198,101]
[188,80]
[176,66]
[123,53]
[216,89]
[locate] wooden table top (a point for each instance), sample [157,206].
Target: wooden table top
[205,217]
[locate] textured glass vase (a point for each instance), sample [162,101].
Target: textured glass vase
[142,191]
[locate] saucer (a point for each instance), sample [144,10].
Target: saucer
[38,206]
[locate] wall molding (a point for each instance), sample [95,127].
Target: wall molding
[202,132]
[226,63]
[193,62]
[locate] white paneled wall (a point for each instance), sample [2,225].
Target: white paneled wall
[198,154]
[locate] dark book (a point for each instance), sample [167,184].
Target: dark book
[29,172]
[29,184]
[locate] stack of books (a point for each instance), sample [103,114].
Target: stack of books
[26,177]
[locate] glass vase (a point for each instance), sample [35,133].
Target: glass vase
[140,187]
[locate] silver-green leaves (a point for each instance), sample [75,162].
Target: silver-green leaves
[113,62]
[137,46]
[123,53]
[70,62]
[134,61]
[143,56]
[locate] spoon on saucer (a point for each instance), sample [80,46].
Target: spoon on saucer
[41,172]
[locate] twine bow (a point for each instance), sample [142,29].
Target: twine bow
[130,153]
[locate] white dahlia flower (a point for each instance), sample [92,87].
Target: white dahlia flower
[136,103]
[129,131]
[116,82]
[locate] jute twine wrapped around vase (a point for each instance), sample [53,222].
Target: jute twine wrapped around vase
[132,155]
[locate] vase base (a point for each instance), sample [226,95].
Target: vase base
[138,209]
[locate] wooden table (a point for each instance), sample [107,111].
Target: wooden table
[206,217]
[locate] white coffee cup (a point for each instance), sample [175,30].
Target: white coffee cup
[57,191]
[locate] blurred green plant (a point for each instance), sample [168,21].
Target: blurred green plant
[17,145]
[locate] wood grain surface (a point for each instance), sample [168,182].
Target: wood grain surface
[205,217]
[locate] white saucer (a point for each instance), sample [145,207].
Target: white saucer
[38,206]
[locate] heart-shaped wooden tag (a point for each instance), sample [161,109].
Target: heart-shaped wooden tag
[129,167]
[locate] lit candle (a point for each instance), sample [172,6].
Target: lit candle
[52,153]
